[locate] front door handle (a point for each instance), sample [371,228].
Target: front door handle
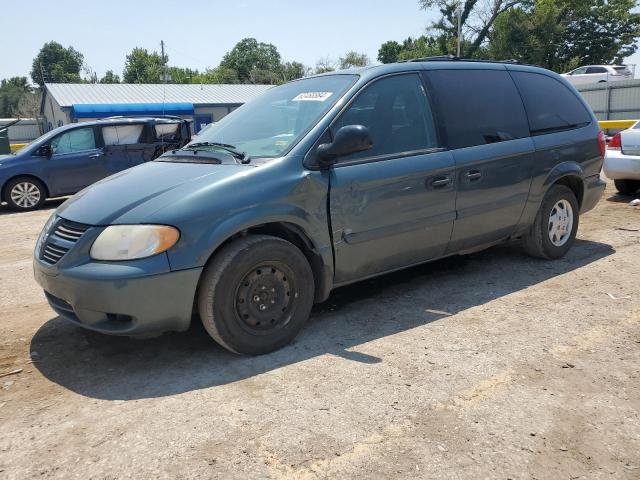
[473,175]
[439,182]
[96,155]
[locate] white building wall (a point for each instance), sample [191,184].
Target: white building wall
[53,114]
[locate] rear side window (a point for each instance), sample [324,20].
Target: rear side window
[167,131]
[596,70]
[478,107]
[122,134]
[551,105]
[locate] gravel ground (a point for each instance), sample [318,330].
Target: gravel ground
[492,365]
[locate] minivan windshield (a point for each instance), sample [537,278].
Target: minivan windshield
[267,126]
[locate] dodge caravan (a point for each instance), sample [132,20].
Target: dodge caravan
[319,183]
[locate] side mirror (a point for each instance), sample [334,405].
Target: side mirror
[45,151]
[348,139]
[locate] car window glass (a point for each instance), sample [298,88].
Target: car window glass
[596,70]
[167,131]
[579,71]
[478,107]
[550,104]
[75,140]
[397,114]
[122,134]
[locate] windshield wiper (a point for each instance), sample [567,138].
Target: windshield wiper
[232,149]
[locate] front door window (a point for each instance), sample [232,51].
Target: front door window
[76,140]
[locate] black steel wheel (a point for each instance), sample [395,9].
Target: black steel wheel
[256,294]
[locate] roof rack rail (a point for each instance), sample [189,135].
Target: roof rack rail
[453,58]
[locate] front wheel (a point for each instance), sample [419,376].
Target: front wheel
[555,226]
[25,193]
[256,294]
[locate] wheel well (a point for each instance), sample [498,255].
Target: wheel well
[294,234]
[575,184]
[3,195]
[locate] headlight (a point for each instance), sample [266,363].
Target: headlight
[129,242]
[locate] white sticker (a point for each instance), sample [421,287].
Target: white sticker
[312,96]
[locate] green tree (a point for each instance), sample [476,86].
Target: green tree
[292,71]
[110,77]
[56,64]
[476,17]
[389,52]
[143,67]
[421,47]
[220,75]
[324,65]
[353,59]
[183,75]
[563,34]
[253,61]
[12,92]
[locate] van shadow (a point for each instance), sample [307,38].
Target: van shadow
[115,368]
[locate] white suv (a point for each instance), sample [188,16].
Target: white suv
[598,74]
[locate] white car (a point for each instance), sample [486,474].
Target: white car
[622,160]
[598,74]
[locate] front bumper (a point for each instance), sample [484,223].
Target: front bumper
[119,298]
[618,166]
[127,305]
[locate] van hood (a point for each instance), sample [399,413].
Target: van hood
[134,195]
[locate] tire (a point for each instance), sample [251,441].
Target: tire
[256,294]
[627,187]
[551,239]
[25,193]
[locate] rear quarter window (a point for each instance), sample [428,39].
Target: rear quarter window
[478,107]
[550,105]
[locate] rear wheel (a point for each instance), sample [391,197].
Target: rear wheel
[627,187]
[25,193]
[256,294]
[555,226]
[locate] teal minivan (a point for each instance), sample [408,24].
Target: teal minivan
[319,183]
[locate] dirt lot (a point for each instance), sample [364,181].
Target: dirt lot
[493,365]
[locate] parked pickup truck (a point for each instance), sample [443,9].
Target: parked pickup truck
[69,158]
[319,183]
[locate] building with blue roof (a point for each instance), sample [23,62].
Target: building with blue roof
[64,103]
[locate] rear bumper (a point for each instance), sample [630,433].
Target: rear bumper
[593,190]
[618,166]
[125,304]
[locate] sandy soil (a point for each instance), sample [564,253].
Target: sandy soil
[492,365]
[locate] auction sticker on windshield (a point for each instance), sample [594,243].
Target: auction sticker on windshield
[312,96]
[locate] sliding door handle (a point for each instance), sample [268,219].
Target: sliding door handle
[440,181]
[473,175]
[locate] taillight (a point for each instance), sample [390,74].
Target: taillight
[615,143]
[602,142]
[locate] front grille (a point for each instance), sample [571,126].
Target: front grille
[52,253]
[70,231]
[64,235]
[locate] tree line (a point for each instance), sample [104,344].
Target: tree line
[556,34]
[248,62]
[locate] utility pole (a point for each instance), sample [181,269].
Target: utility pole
[459,29]
[165,74]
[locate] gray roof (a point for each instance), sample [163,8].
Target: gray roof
[68,94]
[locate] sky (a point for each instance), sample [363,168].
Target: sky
[198,33]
